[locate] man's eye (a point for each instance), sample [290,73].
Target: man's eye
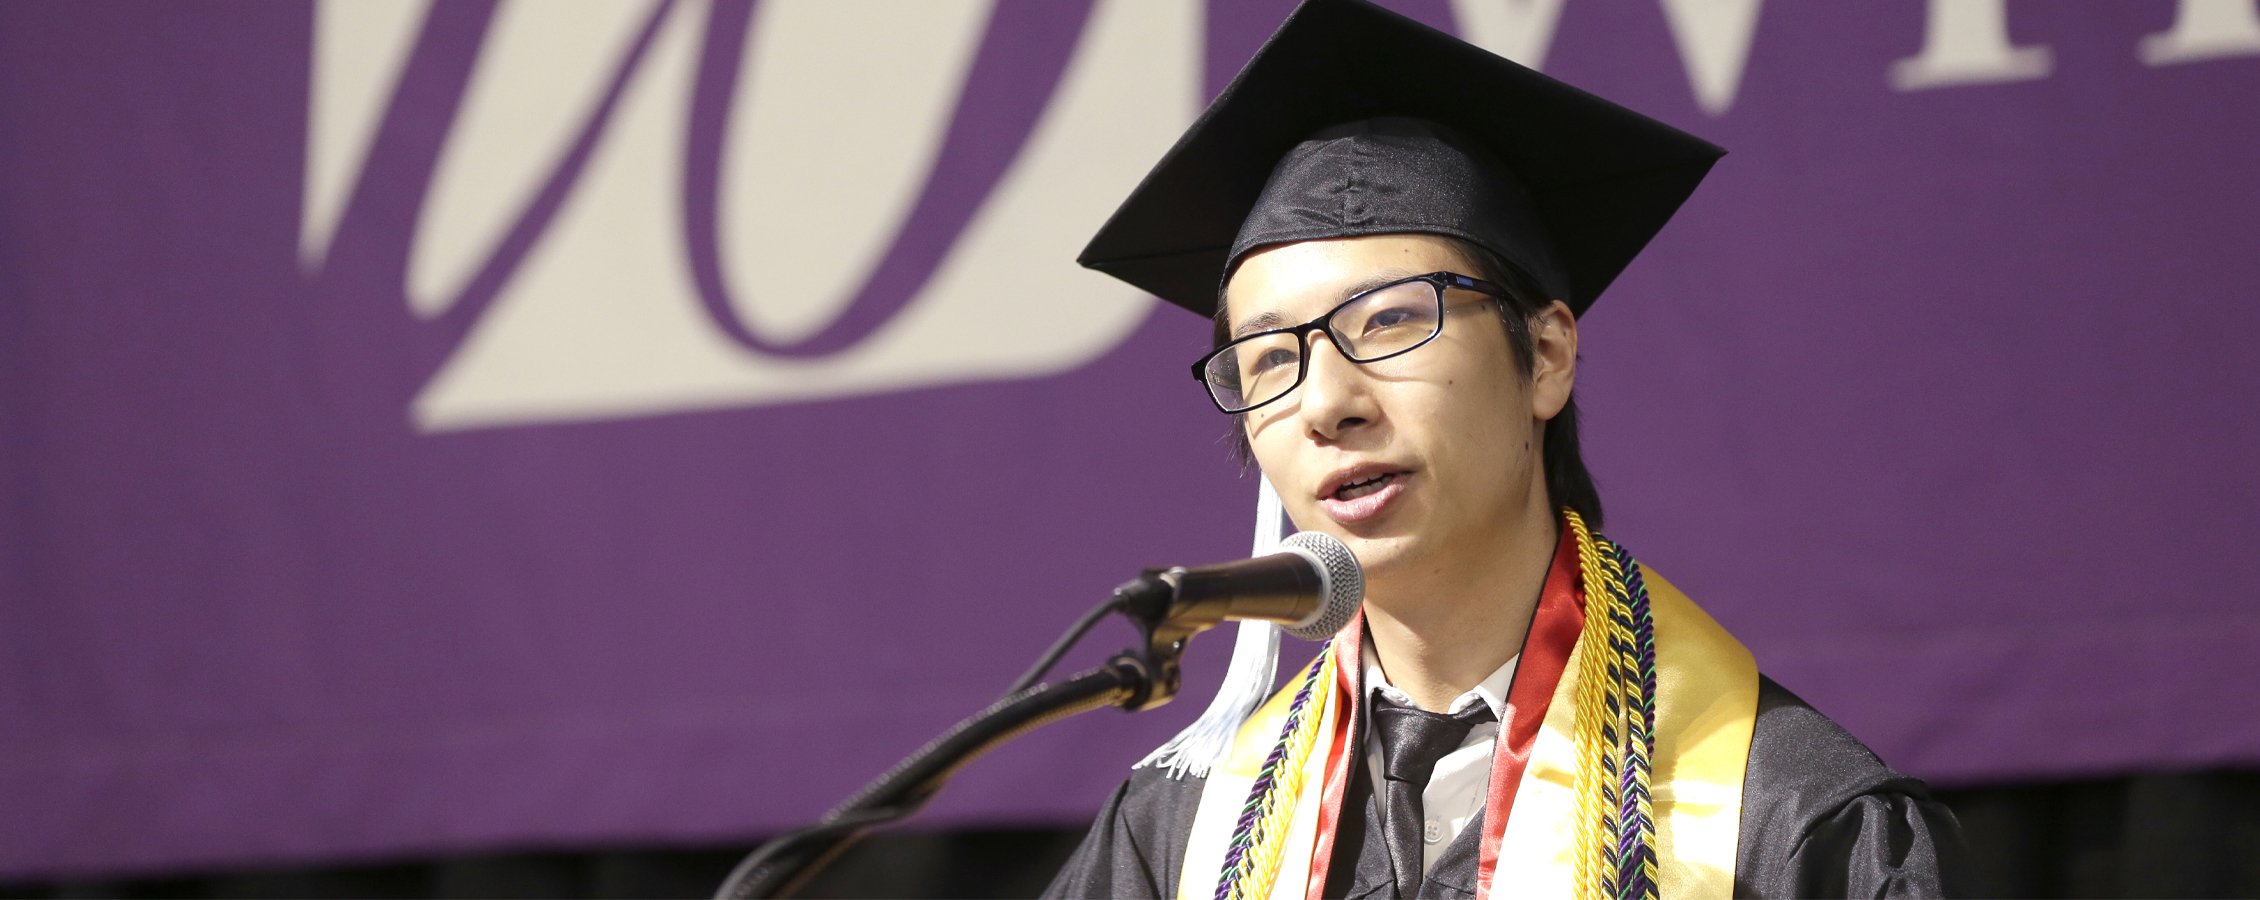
[1397,317]
[1271,359]
[1387,318]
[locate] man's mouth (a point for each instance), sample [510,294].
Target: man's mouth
[1357,489]
[1367,496]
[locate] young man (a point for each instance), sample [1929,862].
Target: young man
[1395,232]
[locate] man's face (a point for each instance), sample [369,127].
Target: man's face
[1417,461]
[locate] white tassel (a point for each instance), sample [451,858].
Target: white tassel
[1247,682]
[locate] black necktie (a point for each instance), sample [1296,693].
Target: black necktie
[1412,740]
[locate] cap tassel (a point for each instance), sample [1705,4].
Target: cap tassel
[1247,681]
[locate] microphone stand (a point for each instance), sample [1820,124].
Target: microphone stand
[1135,680]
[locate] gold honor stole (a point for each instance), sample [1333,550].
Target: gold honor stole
[1706,705]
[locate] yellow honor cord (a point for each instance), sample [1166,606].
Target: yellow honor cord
[1613,708]
[1258,870]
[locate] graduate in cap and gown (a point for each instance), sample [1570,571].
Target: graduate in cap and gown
[1394,232]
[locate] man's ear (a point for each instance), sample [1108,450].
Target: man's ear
[1553,359]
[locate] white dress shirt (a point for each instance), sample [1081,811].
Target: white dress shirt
[1461,782]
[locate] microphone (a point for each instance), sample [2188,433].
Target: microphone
[1311,587]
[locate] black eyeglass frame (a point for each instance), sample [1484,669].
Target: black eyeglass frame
[1441,281]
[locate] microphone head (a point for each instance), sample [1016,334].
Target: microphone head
[1345,583]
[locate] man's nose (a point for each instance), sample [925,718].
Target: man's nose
[1336,395]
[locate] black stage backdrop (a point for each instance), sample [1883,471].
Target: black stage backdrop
[2174,834]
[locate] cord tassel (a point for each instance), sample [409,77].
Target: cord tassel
[1247,681]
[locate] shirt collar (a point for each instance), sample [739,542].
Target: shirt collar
[1491,692]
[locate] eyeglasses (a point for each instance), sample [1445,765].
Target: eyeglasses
[1390,320]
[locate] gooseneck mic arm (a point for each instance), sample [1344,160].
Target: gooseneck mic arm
[782,865]
[1312,589]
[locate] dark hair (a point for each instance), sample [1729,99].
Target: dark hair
[1567,481]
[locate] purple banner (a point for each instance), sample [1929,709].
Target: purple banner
[431,424]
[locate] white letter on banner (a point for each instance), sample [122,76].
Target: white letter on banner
[1714,44]
[359,49]
[542,68]
[603,318]
[2205,29]
[1967,42]
[1520,30]
[792,274]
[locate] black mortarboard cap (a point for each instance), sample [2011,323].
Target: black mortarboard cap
[1354,120]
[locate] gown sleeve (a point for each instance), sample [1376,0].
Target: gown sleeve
[1823,817]
[1137,845]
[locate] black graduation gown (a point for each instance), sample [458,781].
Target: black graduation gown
[1821,817]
